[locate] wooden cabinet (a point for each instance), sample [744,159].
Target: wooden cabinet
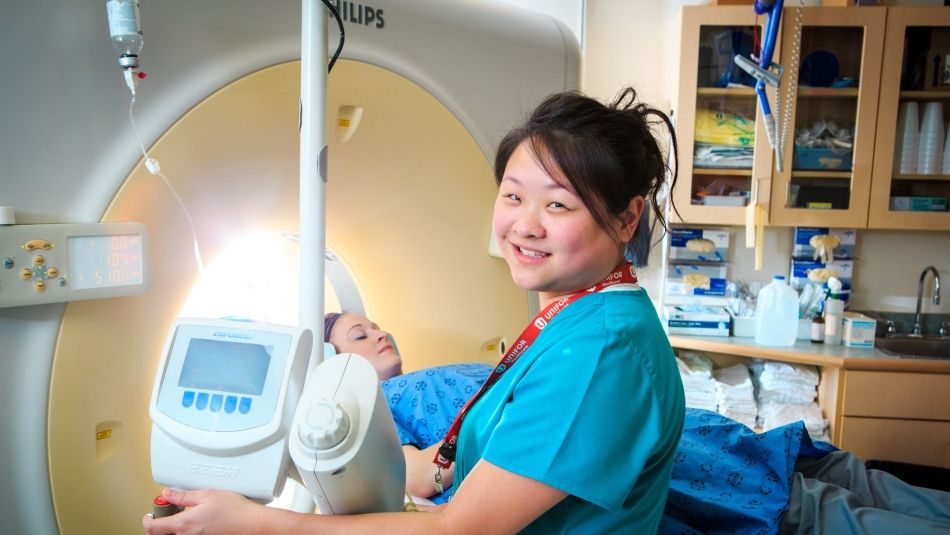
[849,78]
[896,416]
[718,120]
[916,49]
[826,178]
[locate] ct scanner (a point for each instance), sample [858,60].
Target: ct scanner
[408,202]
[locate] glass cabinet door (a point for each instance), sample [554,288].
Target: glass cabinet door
[717,117]
[828,127]
[911,182]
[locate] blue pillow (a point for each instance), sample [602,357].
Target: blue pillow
[424,403]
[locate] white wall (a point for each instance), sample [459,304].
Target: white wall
[634,43]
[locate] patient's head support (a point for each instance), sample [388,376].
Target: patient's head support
[353,333]
[607,154]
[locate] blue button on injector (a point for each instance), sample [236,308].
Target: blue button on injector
[188,399]
[245,406]
[230,403]
[216,401]
[202,401]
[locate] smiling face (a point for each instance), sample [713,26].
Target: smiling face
[353,333]
[548,236]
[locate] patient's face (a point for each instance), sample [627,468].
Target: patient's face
[353,333]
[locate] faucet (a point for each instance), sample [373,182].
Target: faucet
[920,291]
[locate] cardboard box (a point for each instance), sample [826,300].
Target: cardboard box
[682,278]
[918,204]
[683,243]
[801,267]
[821,159]
[857,330]
[697,320]
[801,248]
[743,326]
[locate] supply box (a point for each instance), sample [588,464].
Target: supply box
[857,330]
[821,159]
[919,204]
[803,235]
[697,320]
[705,245]
[801,266]
[696,279]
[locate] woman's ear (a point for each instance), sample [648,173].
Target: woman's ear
[630,218]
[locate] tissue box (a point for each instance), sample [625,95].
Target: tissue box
[801,267]
[715,273]
[801,247]
[680,237]
[701,321]
[857,330]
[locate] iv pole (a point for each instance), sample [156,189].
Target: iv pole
[313,179]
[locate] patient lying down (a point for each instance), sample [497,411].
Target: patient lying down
[423,403]
[726,478]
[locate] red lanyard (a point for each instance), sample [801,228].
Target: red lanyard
[623,274]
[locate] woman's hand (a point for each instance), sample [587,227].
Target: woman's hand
[420,471]
[208,512]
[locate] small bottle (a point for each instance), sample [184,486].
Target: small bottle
[818,329]
[834,314]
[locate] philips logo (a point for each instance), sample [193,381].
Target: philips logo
[213,470]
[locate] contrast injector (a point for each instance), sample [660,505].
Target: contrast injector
[125,31]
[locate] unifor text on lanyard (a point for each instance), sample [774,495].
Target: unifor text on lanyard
[623,274]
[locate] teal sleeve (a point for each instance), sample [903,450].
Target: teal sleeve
[592,435]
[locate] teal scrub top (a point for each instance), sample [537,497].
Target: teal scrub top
[593,408]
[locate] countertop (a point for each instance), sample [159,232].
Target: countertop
[806,352]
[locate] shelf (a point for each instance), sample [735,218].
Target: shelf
[922,177]
[724,171]
[725,92]
[822,174]
[830,92]
[925,95]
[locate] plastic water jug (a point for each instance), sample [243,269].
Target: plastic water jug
[776,314]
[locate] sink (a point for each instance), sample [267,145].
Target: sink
[915,346]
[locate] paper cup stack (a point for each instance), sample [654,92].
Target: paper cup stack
[908,130]
[946,153]
[931,143]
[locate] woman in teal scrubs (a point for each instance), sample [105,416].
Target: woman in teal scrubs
[577,430]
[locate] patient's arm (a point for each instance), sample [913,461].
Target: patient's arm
[420,470]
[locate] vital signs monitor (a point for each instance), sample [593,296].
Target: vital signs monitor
[223,402]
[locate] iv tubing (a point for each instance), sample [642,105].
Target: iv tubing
[152,166]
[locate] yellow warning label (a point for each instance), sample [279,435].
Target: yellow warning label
[104,434]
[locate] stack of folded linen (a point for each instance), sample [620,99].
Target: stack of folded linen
[778,414]
[735,394]
[786,393]
[698,383]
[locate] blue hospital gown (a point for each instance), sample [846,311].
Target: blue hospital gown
[424,404]
[728,479]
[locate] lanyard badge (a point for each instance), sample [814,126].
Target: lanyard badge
[623,274]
